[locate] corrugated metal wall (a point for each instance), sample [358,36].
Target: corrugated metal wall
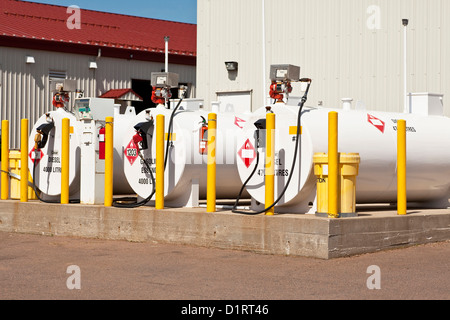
[350,48]
[25,88]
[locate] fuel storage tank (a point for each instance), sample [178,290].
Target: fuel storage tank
[372,134]
[45,161]
[186,166]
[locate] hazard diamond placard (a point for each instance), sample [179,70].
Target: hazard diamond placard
[131,152]
[247,153]
[377,123]
[36,157]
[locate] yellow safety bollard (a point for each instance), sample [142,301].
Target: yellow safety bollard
[211,184]
[333,166]
[65,154]
[5,160]
[270,163]
[109,161]
[24,161]
[401,168]
[160,135]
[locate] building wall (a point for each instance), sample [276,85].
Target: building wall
[25,90]
[350,48]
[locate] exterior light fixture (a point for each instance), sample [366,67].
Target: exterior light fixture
[92,65]
[231,65]
[30,60]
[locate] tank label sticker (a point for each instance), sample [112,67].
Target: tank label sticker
[36,157]
[377,123]
[247,153]
[408,129]
[239,122]
[131,152]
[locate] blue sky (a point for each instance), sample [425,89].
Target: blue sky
[174,10]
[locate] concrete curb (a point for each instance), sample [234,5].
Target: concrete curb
[286,234]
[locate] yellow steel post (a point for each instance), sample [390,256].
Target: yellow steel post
[5,160]
[109,161]
[160,137]
[65,151]
[211,184]
[401,168]
[270,163]
[333,166]
[24,161]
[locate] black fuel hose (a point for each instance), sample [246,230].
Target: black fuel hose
[170,131]
[117,203]
[37,192]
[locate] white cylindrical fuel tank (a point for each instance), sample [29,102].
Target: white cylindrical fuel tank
[373,135]
[45,164]
[47,167]
[186,170]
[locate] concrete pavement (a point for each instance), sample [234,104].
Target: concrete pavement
[35,267]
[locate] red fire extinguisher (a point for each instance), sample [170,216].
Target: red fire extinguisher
[101,143]
[203,142]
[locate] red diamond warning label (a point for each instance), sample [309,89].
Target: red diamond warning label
[36,157]
[377,123]
[247,153]
[131,152]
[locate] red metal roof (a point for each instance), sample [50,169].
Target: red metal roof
[118,93]
[20,21]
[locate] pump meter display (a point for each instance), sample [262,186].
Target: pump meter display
[82,110]
[94,109]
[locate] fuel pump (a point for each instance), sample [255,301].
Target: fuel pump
[162,83]
[61,96]
[281,75]
[91,114]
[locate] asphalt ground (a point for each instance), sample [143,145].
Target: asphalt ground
[34,267]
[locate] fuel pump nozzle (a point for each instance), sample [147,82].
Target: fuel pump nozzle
[141,134]
[41,137]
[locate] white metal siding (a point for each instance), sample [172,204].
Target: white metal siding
[332,43]
[25,88]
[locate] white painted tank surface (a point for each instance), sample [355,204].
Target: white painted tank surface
[186,170]
[373,135]
[47,174]
[48,165]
